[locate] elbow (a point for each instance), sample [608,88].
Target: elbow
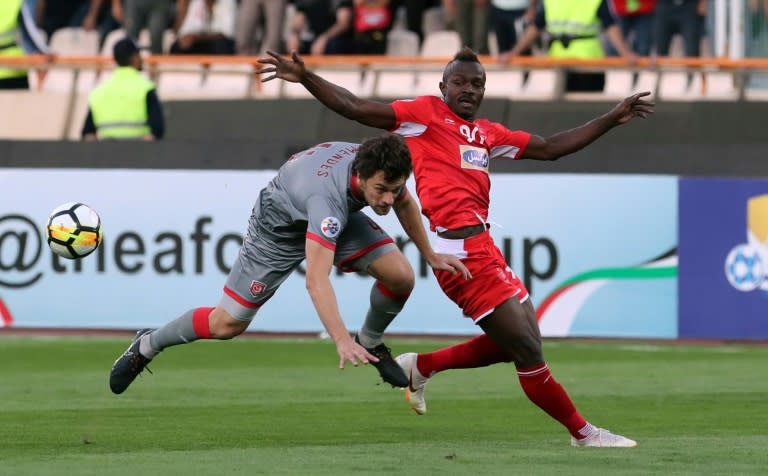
[313,285]
[551,157]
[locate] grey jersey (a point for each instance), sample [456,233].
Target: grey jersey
[312,197]
[312,194]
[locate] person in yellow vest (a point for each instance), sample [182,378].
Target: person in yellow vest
[17,28]
[126,105]
[574,28]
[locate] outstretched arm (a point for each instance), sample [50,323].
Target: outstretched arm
[572,140]
[407,211]
[364,111]
[319,264]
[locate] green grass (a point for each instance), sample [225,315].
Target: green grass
[255,406]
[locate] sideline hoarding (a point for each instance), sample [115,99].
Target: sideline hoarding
[598,252]
[723,259]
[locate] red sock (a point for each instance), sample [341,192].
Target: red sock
[543,390]
[479,351]
[200,322]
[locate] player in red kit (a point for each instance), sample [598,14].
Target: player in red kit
[451,151]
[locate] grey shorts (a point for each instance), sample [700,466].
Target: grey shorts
[264,262]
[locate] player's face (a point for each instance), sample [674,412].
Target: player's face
[380,194]
[463,88]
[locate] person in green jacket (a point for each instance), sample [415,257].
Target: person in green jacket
[17,29]
[125,106]
[573,28]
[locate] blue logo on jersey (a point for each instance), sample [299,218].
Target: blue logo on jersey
[474,157]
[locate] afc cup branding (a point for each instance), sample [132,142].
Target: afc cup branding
[330,226]
[746,264]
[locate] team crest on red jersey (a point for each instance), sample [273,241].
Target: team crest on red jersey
[257,287]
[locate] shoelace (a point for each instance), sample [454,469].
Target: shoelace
[382,351]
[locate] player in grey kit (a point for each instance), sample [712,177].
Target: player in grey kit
[312,210]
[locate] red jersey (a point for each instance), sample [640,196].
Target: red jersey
[451,158]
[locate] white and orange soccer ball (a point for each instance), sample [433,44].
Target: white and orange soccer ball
[73,230]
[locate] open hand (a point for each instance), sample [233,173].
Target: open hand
[292,71]
[633,106]
[351,351]
[448,263]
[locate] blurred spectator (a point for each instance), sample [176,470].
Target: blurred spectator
[414,14]
[635,18]
[136,15]
[504,16]
[125,106]
[207,28]
[17,27]
[757,16]
[322,27]
[249,19]
[373,20]
[680,16]
[471,20]
[52,15]
[574,27]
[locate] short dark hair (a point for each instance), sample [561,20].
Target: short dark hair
[466,54]
[387,153]
[124,50]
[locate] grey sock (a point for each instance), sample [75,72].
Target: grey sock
[178,331]
[382,312]
[145,347]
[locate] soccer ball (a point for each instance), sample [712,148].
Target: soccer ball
[744,268]
[73,230]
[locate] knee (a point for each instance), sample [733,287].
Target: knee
[402,280]
[528,352]
[406,282]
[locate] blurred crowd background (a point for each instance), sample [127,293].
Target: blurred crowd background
[666,27]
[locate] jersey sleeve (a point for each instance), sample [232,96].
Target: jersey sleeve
[412,116]
[325,221]
[507,144]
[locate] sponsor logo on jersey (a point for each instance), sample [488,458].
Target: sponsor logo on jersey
[474,158]
[257,287]
[330,226]
[450,121]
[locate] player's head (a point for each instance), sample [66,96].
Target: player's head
[126,53]
[463,84]
[382,165]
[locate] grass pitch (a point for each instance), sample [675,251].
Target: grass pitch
[275,407]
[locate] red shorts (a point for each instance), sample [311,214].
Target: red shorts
[492,283]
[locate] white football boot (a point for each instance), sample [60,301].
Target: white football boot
[602,438]
[414,392]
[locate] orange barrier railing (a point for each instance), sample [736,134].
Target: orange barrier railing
[38,61]
[739,70]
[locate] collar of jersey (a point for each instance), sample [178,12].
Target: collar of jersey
[354,187]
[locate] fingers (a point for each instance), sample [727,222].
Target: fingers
[270,78]
[356,356]
[458,267]
[646,110]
